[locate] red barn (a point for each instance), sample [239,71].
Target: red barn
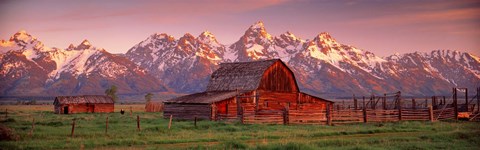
[83,104]
[236,90]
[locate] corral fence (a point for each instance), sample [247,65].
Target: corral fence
[387,108]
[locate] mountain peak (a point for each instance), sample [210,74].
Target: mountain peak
[257,30]
[206,34]
[71,47]
[325,39]
[257,25]
[161,36]
[188,35]
[207,37]
[84,45]
[86,42]
[289,35]
[22,36]
[22,32]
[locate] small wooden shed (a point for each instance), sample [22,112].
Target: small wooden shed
[83,104]
[236,89]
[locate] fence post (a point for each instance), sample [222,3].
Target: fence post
[455,108]
[73,127]
[430,113]
[399,109]
[33,127]
[106,126]
[329,115]
[426,102]
[286,118]
[170,122]
[138,123]
[414,105]
[478,100]
[364,102]
[384,101]
[355,102]
[365,115]
[195,122]
[131,111]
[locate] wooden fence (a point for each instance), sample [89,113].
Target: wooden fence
[346,116]
[264,117]
[307,117]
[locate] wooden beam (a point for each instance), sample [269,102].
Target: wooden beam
[399,109]
[466,97]
[384,102]
[455,107]
[430,113]
[329,114]
[73,127]
[365,115]
[364,102]
[414,105]
[355,102]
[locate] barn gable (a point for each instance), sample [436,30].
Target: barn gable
[249,76]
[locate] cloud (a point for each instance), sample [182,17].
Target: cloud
[467,14]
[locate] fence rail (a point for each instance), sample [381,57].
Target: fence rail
[345,116]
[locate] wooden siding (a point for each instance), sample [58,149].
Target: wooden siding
[84,108]
[279,78]
[276,100]
[153,107]
[226,110]
[187,111]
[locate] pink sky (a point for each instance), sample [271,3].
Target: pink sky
[382,27]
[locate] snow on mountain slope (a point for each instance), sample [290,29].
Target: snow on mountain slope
[255,44]
[184,64]
[322,65]
[82,69]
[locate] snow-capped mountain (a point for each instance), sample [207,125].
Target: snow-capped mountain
[27,67]
[184,64]
[322,65]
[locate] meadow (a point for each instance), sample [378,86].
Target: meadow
[53,131]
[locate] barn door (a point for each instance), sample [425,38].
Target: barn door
[65,110]
[90,108]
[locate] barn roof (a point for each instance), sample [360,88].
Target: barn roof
[204,97]
[91,99]
[239,75]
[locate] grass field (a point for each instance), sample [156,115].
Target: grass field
[52,131]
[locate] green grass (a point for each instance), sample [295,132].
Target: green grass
[52,131]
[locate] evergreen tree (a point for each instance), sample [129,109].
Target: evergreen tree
[148,97]
[112,92]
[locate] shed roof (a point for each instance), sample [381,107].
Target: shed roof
[204,97]
[239,75]
[84,99]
